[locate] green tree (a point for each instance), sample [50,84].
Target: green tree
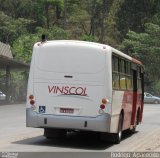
[11,28]
[133,14]
[22,47]
[146,47]
[17,8]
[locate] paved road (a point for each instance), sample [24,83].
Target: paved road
[14,136]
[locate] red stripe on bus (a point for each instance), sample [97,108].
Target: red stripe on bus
[134,108]
[136,61]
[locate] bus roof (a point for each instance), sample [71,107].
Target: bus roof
[91,44]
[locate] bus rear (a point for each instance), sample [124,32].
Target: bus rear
[68,87]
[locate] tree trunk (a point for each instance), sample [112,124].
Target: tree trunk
[93,23]
[47,15]
[103,14]
[65,15]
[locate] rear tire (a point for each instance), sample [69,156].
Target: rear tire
[118,136]
[51,133]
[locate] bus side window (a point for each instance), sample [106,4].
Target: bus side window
[128,75]
[122,74]
[139,78]
[115,72]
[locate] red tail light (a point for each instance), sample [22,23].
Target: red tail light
[32,102]
[102,106]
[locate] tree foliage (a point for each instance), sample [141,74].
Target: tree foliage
[132,24]
[146,47]
[133,14]
[10,28]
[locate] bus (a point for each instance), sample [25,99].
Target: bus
[84,86]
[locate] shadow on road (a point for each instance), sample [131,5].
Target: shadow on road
[78,140]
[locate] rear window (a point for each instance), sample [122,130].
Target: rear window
[70,59]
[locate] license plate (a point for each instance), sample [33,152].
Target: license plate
[66,110]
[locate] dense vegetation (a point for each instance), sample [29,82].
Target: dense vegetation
[130,25]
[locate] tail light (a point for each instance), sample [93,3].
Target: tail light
[31,97]
[102,106]
[104,103]
[32,101]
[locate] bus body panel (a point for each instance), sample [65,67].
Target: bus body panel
[122,100]
[100,123]
[69,81]
[126,101]
[55,98]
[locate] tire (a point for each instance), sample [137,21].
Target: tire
[50,133]
[118,136]
[156,102]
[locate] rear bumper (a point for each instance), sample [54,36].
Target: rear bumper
[100,123]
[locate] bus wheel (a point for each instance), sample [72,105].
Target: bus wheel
[137,121]
[50,133]
[118,136]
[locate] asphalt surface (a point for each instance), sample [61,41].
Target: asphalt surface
[16,137]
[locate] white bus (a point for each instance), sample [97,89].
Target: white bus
[83,86]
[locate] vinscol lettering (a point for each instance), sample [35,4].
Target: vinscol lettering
[67,90]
